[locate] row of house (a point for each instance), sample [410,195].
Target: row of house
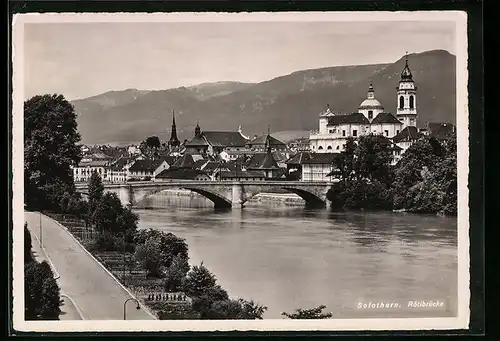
[229,156]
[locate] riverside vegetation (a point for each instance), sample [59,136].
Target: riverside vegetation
[423,181]
[153,263]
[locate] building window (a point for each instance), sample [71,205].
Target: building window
[401,102]
[354,132]
[370,114]
[412,102]
[338,147]
[397,132]
[343,132]
[386,132]
[329,147]
[320,147]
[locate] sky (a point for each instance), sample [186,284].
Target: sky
[80,60]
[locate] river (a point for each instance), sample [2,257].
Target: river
[291,257]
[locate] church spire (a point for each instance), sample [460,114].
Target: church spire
[197,130]
[174,141]
[406,75]
[268,139]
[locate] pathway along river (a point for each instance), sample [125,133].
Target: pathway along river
[291,257]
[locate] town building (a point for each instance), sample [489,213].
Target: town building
[265,162]
[119,168]
[148,169]
[259,144]
[214,142]
[438,130]
[299,145]
[308,166]
[85,169]
[242,176]
[187,167]
[334,129]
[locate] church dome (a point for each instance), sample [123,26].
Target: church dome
[371,103]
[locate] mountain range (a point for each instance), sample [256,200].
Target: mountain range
[288,103]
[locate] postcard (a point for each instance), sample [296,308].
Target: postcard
[285,171]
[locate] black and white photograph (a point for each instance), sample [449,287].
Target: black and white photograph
[240,171]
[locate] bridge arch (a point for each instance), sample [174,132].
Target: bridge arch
[218,200]
[311,199]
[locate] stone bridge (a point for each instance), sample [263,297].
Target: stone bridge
[224,194]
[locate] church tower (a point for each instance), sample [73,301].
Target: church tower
[197,130]
[174,141]
[407,98]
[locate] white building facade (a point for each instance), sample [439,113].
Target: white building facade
[334,129]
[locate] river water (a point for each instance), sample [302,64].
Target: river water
[289,257]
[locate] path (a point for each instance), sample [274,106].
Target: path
[94,291]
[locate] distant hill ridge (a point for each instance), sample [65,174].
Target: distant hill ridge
[286,103]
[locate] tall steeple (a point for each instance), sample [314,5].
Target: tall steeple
[407,98]
[268,139]
[174,141]
[197,130]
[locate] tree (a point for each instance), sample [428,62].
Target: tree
[345,160]
[107,213]
[28,257]
[170,244]
[425,177]
[176,273]
[427,183]
[41,292]
[149,255]
[50,149]
[373,158]
[96,192]
[200,281]
[251,310]
[314,313]
[365,173]
[153,142]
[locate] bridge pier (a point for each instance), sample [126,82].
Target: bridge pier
[238,198]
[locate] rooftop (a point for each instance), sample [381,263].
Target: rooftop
[357,118]
[385,117]
[262,161]
[407,134]
[265,140]
[146,165]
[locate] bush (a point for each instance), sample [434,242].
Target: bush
[176,273]
[41,292]
[106,241]
[28,256]
[149,255]
[308,314]
[200,281]
[170,245]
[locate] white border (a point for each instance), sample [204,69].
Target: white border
[461,322]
